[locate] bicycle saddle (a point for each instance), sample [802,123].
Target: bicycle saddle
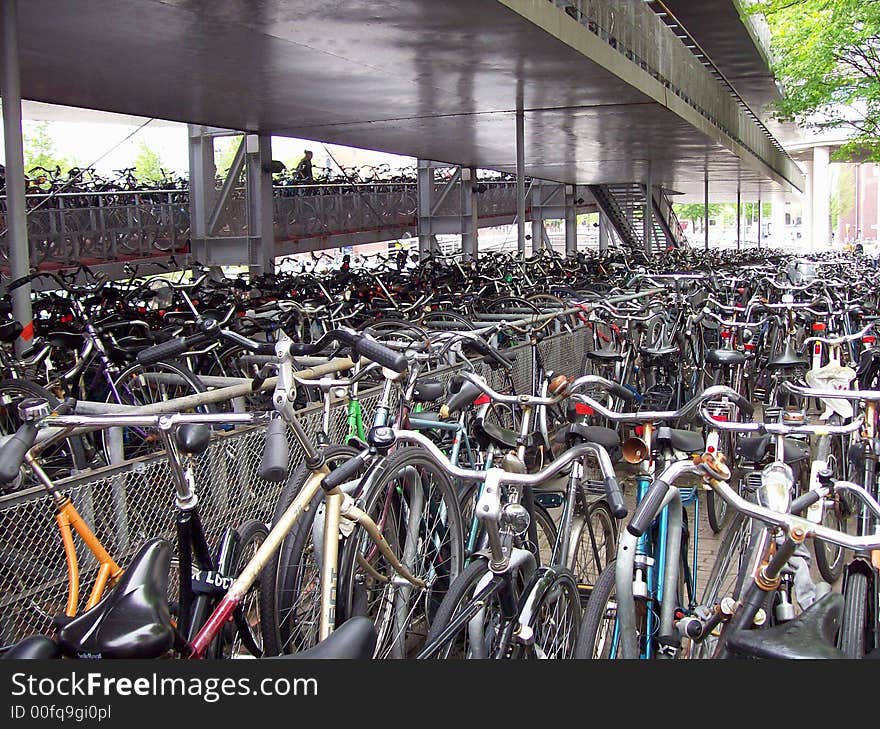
[132,621]
[609,355]
[659,351]
[789,359]
[503,437]
[193,438]
[355,639]
[724,357]
[34,647]
[754,448]
[9,331]
[428,391]
[65,340]
[605,437]
[810,635]
[688,441]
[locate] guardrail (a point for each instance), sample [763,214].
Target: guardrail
[130,502]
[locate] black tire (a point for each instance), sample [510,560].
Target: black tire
[403,613]
[133,389]
[716,512]
[853,623]
[289,583]
[593,550]
[831,558]
[61,460]
[246,629]
[459,595]
[546,531]
[597,627]
[555,614]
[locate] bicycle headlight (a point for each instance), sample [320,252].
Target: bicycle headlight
[775,491]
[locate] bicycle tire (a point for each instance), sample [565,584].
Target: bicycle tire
[853,622]
[246,632]
[831,558]
[555,634]
[594,639]
[603,542]
[289,583]
[403,625]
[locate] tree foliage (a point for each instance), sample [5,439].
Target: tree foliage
[827,58]
[147,163]
[39,150]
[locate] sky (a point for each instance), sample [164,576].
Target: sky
[113,140]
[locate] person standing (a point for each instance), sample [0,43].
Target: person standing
[304,168]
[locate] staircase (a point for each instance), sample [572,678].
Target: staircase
[624,206]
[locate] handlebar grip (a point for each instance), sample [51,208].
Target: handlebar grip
[466,394]
[266,348]
[68,406]
[647,508]
[170,349]
[273,464]
[343,473]
[623,393]
[615,498]
[744,405]
[379,353]
[487,350]
[804,502]
[13,451]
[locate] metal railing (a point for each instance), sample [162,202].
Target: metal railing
[128,503]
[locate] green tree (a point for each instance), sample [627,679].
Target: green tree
[224,153]
[39,150]
[147,163]
[826,54]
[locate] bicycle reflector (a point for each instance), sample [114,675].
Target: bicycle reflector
[869,339]
[776,482]
[819,326]
[483,399]
[583,409]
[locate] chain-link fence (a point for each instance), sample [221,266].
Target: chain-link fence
[126,504]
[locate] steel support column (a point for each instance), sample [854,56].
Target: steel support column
[520,183]
[777,218]
[821,198]
[706,210]
[538,232]
[760,224]
[468,207]
[603,232]
[648,214]
[571,241]
[425,181]
[738,217]
[16,206]
[261,219]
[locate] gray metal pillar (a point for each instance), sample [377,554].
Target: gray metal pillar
[520,183]
[16,205]
[706,210]
[822,199]
[537,217]
[648,214]
[738,218]
[603,232]
[571,240]
[202,173]
[424,183]
[468,208]
[261,222]
[759,220]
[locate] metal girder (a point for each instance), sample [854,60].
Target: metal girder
[571,243]
[16,205]
[436,213]
[226,230]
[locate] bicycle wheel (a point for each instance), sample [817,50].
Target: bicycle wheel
[414,504]
[60,460]
[245,632]
[593,545]
[481,637]
[553,612]
[851,636]
[830,558]
[290,587]
[137,385]
[597,631]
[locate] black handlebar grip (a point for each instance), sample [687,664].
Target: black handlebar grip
[487,350]
[299,349]
[273,465]
[648,508]
[346,472]
[615,498]
[744,405]
[379,353]
[165,350]
[466,394]
[804,502]
[266,348]
[12,452]
[623,393]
